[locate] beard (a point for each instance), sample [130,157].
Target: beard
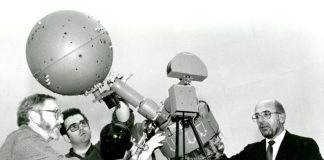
[52,131]
[55,134]
[267,134]
[266,131]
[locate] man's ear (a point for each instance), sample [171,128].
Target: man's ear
[282,118]
[66,138]
[34,117]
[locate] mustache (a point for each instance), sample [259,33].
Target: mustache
[261,125]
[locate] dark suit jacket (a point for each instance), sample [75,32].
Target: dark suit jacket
[292,147]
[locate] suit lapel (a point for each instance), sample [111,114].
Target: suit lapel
[261,150]
[284,151]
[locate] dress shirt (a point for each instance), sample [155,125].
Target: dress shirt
[276,146]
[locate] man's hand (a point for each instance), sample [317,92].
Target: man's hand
[123,112]
[152,144]
[112,76]
[220,148]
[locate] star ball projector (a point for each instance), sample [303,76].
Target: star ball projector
[68,52]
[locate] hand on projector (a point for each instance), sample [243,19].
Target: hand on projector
[220,148]
[112,76]
[151,144]
[123,112]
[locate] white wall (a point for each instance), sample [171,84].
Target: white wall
[252,49]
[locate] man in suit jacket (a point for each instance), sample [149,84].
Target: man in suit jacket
[278,144]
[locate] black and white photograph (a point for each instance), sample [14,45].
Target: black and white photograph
[162,80]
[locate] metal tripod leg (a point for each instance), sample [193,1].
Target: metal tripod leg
[177,140]
[198,138]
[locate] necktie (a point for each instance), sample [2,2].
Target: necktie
[270,150]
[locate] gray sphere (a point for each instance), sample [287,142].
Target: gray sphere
[68,52]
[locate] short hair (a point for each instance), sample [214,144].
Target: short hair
[279,107]
[68,113]
[29,103]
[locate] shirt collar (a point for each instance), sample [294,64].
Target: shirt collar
[278,139]
[73,154]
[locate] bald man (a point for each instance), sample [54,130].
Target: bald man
[278,144]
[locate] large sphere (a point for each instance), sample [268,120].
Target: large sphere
[69,52]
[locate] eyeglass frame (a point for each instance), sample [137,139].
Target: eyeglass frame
[86,124]
[57,112]
[262,114]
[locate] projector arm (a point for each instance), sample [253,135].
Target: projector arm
[145,106]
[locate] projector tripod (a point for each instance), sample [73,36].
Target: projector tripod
[186,122]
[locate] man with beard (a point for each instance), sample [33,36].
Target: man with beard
[278,144]
[39,119]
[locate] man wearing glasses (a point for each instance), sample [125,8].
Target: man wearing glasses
[76,130]
[39,119]
[278,144]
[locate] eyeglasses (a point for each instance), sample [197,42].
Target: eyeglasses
[57,112]
[264,115]
[76,126]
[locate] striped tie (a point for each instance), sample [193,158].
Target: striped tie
[270,150]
